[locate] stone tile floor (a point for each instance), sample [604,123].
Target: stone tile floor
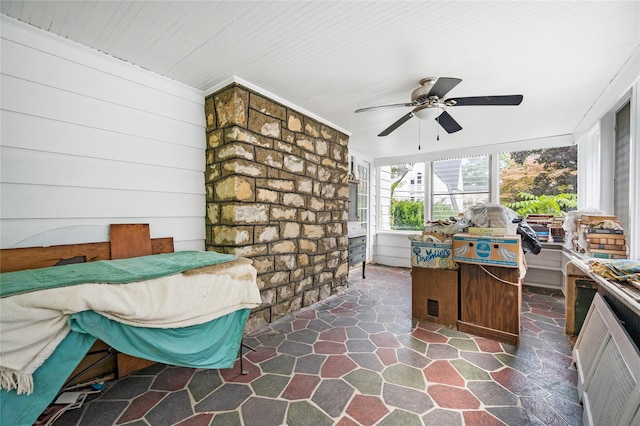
[357,358]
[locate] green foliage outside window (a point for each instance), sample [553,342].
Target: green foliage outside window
[407,215]
[544,204]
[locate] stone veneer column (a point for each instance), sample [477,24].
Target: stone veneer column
[277,193]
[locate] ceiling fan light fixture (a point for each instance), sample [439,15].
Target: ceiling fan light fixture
[428,113]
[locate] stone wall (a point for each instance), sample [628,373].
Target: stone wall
[277,194]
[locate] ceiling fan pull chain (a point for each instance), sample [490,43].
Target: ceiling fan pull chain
[419,134]
[438,129]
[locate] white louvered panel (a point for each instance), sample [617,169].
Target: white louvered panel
[589,345]
[610,381]
[609,388]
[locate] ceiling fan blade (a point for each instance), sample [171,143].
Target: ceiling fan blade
[397,124]
[443,86]
[448,123]
[488,100]
[384,107]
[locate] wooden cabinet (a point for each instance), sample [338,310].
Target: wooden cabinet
[490,301]
[434,295]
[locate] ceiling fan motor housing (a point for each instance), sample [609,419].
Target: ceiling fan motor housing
[421,94]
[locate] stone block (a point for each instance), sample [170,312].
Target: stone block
[285,262]
[264,124]
[310,297]
[304,284]
[274,279]
[268,296]
[263,264]
[244,213]
[328,133]
[270,157]
[308,246]
[322,147]
[303,259]
[343,191]
[293,199]
[232,107]
[243,167]
[210,113]
[215,138]
[319,259]
[313,231]
[267,106]
[297,274]
[312,128]
[232,235]
[325,291]
[266,196]
[284,246]
[283,308]
[338,153]
[284,292]
[328,191]
[343,140]
[250,250]
[212,172]
[293,164]
[266,234]
[307,216]
[281,185]
[324,217]
[328,162]
[312,170]
[333,262]
[324,174]
[313,158]
[257,320]
[342,270]
[294,121]
[335,229]
[305,143]
[304,185]
[239,134]
[213,213]
[283,213]
[343,242]
[288,136]
[316,204]
[328,244]
[291,230]
[234,150]
[283,147]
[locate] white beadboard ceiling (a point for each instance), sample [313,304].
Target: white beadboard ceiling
[331,57]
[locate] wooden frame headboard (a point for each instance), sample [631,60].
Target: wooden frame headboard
[127,240]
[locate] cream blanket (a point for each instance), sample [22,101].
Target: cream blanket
[33,324]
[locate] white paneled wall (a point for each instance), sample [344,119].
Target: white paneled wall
[88,140]
[394,249]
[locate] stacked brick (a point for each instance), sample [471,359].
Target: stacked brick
[276,192]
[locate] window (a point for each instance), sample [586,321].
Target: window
[401,204]
[458,184]
[545,177]
[542,181]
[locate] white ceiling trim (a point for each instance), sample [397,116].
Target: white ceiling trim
[610,98]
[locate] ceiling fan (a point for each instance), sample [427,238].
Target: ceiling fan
[428,101]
